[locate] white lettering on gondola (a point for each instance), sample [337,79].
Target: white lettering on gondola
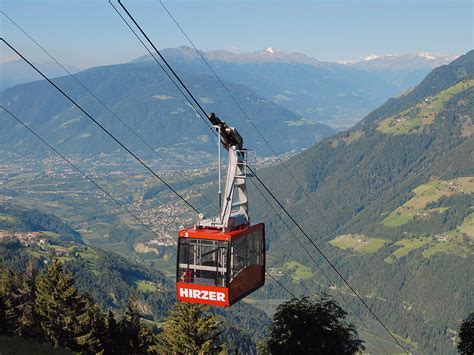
[202,294]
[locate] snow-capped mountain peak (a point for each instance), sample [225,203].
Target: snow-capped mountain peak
[409,61]
[269,50]
[427,55]
[371,57]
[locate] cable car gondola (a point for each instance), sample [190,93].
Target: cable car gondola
[222,259]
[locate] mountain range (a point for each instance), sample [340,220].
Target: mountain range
[335,94]
[142,96]
[330,93]
[408,61]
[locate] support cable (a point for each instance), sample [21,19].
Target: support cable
[251,122]
[326,259]
[328,279]
[282,286]
[201,112]
[224,86]
[102,127]
[271,194]
[87,177]
[247,116]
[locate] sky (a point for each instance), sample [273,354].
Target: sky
[86,33]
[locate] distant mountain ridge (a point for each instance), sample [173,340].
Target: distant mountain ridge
[142,96]
[14,72]
[332,93]
[267,55]
[408,61]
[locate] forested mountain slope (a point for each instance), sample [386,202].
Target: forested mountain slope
[143,97]
[392,207]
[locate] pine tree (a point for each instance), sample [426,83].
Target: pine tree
[3,319]
[113,342]
[138,339]
[190,329]
[93,329]
[8,290]
[59,307]
[27,324]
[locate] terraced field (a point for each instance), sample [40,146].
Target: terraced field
[358,242]
[454,246]
[146,286]
[467,227]
[425,194]
[406,246]
[298,271]
[417,117]
[458,242]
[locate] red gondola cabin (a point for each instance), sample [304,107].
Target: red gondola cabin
[222,259]
[219,268]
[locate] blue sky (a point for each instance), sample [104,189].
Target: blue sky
[87,33]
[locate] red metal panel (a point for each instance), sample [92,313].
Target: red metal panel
[251,278]
[210,295]
[217,234]
[205,233]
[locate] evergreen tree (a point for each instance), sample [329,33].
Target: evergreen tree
[466,335]
[27,324]
[190,329]
[8,290]
[136,338]
[49,307]
[113,338]
[3,319]
[306,327]
[93,330]
[59,307]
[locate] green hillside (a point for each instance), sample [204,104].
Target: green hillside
[417,117]
[108,278]
[392,208]
[21,219]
